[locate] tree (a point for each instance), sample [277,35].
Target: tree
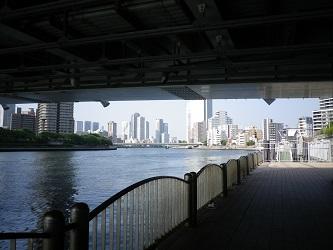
[223,142]
[250,143]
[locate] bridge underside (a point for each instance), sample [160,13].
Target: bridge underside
[173,49]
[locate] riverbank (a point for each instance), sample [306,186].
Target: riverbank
[56,148]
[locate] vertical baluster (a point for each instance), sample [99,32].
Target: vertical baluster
[30,244]
[118,222]
[111,226]
[12,244]
[142,217]
[146,216]
[103,229]
[156,216]
[95,224]
[131,211]
[137,218]
[124,215]
[168,215]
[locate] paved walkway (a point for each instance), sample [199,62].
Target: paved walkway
[280,206]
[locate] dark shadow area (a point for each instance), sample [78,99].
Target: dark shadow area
[280,206]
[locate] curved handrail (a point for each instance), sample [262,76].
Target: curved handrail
[207,166]
[121,193]
[23,235]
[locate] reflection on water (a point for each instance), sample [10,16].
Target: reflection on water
[33,182]
[53,183]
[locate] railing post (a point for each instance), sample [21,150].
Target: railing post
[225,179]
[192,198]
[238,172]
[247,165]
[54,225]
[79,235]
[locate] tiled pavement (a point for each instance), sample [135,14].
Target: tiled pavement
[279,206]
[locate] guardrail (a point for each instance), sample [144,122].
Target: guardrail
[140,215]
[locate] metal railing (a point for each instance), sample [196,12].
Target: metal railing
[209,184]
[140,215]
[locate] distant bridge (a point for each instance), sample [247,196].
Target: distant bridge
[156,145]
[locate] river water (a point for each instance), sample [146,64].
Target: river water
[32,183]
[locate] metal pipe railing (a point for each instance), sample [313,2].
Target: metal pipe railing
[141,214]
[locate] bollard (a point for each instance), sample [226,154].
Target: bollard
[54,225]
[225,179]
[238,172]
[192,198]
[79,235]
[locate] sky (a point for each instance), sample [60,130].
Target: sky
[243,112]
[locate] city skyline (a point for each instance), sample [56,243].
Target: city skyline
[244,112]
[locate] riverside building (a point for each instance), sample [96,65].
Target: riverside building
[324,116]
[55,117]
[23,120]
[5,115]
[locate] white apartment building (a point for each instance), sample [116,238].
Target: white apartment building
[112,130]
[305,126]
[324,116]
[125,130]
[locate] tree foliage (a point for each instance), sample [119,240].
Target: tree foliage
[250,143]
[328,131]
[223,142]
[23,136]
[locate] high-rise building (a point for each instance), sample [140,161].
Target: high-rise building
[79,127]
[95,126]
[147,130]
[125,130]
[199,132]
[141,128]
[112,130]
[5,115]
[305,126]
[197,111]
[23,120]
[218,128]
[55,117]
[87,126]
[159,128]
[272,131]
[134,126]
[324,116]
[232,131]
[165,137]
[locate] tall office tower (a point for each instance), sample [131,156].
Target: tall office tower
[87,126]
[56,117]
[158,130]
[95,126]
[23,120]
[5,115]
[165,137]
[197,111]
[324,116]
[125,130]
[272,131]
[208,111]
[147,130]
[79,127]
[199,132]
[305,126]
[141,128]
[134,126]
[112,130]
[265,126]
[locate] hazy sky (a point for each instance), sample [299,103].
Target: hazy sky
[244,112]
